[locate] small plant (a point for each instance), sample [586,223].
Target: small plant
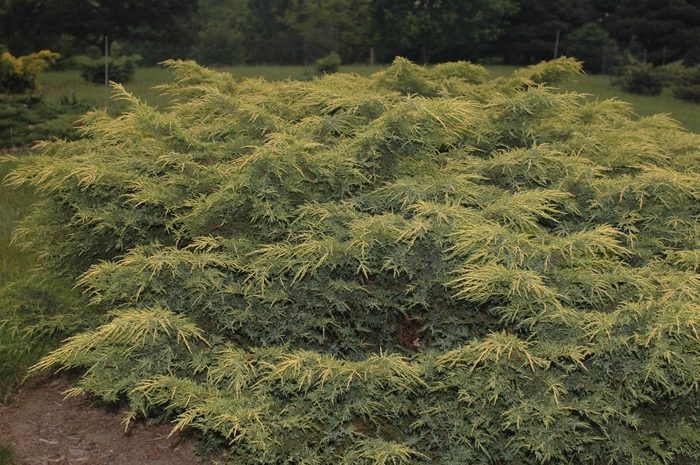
[329,64]
[19,75]
[121,68]
[6,456]
[640,78]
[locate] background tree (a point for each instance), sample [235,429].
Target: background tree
[351,19]
[268,39]
[439,30]
[653,25]
[531,32]
[275,31]
[221,33]
[32,24]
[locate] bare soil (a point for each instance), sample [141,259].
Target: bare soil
[43,427]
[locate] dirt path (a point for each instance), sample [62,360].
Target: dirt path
[41,427]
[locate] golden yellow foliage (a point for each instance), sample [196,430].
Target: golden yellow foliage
[19,74]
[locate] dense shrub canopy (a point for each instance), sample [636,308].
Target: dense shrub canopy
[18,75]
[423,266]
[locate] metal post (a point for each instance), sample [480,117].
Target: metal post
[556,46]
[106,71]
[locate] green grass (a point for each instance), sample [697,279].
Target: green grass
[69,84]
[5,456]
[500,70]
[14,204]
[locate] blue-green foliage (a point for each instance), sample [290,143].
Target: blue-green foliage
[641,79]
[588,44]
[121,69]
[687,84]
[417,267]
[329,64]
[25,119]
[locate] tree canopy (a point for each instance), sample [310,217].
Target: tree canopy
[39,23]
[349,21]
[671,27]
[439,30]
[531,32]
[294,31]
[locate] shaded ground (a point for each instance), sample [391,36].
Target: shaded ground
[41,427]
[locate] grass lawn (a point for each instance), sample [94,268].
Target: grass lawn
[14,204]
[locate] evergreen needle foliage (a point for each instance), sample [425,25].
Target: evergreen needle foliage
[417,267]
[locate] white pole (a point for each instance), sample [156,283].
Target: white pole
[371,56]
[664,56]
[106,71]
[556,46]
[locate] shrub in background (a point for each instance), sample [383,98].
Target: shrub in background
[409,268]
[329,64]
[121,68]
[19,75]
[640,78]
[671,73]
[687,85]
[26,119]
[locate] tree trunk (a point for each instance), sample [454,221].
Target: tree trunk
[425,48]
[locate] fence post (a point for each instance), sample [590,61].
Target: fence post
[106,71]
